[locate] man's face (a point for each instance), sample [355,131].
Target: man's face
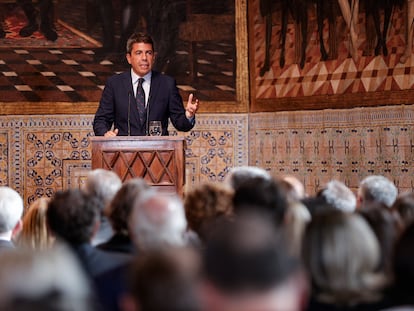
[141,58]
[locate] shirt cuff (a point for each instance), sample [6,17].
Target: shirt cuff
[191,120]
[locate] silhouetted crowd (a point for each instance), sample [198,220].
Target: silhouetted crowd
[254,242]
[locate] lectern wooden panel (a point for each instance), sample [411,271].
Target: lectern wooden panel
[159,160]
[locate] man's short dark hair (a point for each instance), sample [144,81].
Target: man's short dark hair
[71,215]
[247,253]
[261,195]
[139,37]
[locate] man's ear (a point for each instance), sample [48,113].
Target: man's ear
[128,57]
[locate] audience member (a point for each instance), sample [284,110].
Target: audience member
[46,18]
[401,293]
[34,233]
[317,204]
[297,215]
[157,221]
[377,188]
[119,212]
[11,210]
[387,230]
[240,174]
[206,203]
[164,280]
[103,185]
[73,217]
[297,187]
[247,267]
[342,254]
[404,208]
[264,195]
[338,195]
[47,280]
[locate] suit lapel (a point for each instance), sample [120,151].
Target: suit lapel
[127,83]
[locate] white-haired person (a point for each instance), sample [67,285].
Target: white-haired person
[50,279]
[157,222]
[103,185]
[11,211]
[337,194]
[377,188]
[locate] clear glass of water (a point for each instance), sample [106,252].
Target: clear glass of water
[155,128]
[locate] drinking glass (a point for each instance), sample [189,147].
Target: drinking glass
[155,128]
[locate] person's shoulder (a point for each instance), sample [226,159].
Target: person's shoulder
[156,75]
[119,76]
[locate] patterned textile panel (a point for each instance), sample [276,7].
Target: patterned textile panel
[347,145]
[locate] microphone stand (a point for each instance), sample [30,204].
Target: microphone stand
[129,113]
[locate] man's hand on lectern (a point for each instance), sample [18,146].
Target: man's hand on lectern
[111,133]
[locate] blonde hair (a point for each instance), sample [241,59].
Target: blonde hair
[34,233]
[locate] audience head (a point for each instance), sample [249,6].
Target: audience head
[297,189]
[403,267]
[157,220]
[261,195]
[404,208]
[103,185]
[119,210]
[11,210]
[73,216]
[339,196]
[34,233]
[386,228]
[342,254]
[164,280]
[206,203]
[240,174]
[49,280]
[247,267]
[377,188]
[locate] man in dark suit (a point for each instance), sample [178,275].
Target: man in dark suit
[11,210]
[120,105]
[73,217]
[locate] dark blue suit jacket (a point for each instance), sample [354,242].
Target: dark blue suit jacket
[118,106]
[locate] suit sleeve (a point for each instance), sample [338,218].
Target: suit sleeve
[104,116]
[177,111]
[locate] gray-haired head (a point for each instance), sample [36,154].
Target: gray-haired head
[377,188]
[158,220]
[339,196]
[11,209]
[102,184]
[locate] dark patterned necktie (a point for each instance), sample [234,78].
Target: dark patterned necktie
[141,104]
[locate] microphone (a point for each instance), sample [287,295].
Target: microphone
[129,113]
[147,121]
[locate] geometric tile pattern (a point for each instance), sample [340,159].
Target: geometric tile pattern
[341,75]
[217,143]
[317,146]
[40,155]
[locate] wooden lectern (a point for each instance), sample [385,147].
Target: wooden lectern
[159,160]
